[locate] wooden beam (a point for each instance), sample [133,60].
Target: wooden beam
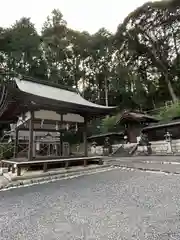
[42,130]
[48,121]
[31,138]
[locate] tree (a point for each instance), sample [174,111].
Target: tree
[54,47]
[136,68]
[169,112]
[108,124]
[101,63]
[21,47]
[150,37]
[78,54]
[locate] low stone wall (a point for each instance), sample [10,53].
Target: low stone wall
[176,146]
[98,150]
[158,147]
[162,147]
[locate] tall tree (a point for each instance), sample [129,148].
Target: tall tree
[54,47]
[149,37]
[22,47]
[101,63]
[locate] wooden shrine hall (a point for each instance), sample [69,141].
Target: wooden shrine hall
[24,97]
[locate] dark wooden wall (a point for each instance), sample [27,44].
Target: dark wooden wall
[157,134]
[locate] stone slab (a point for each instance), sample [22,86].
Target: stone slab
[31,177]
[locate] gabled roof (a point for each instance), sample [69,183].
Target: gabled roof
[135,116]
[57,94]
[24,94]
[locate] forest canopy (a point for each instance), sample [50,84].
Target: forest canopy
[138,67]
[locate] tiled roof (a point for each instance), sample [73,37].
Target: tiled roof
[136,116]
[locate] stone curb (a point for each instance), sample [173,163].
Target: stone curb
[53,173]
[146,169]
[54,177]
[161,162]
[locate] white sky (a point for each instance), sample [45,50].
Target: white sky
[89,15]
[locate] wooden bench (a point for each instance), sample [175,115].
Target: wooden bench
[15,165]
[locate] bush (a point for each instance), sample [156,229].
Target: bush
[170,112]
[6,151]
[108,124]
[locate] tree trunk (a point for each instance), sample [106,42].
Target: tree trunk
[106,92]
[152,51]
[170,88]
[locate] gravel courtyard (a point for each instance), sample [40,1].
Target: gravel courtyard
[114,205]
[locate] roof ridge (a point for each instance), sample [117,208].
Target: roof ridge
[47,83]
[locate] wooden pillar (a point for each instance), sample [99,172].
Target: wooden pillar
[34,146]
[13,169]
[85,137]
[9,167]
[66,164]
[61,135]
[45,167]
[18,171]
[31,138]
[16,143]
[85,162]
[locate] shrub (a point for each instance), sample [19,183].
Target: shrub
[108,124]
[170,112]
[6,151]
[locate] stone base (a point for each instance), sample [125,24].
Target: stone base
[40,177]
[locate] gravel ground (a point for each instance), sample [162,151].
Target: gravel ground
[114,205]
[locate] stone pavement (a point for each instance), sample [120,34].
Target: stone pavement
[167,164]
[118,205]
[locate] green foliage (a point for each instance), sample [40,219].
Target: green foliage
[6,151]
[138,67]
[170,112]
[108,124]
[73,137]
[150,36]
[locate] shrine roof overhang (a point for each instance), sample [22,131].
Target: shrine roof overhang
[103,135]
[22,95]
[161,125]
[129,116]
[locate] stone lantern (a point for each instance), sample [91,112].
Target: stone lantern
[168,139]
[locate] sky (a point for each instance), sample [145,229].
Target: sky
[89,15]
